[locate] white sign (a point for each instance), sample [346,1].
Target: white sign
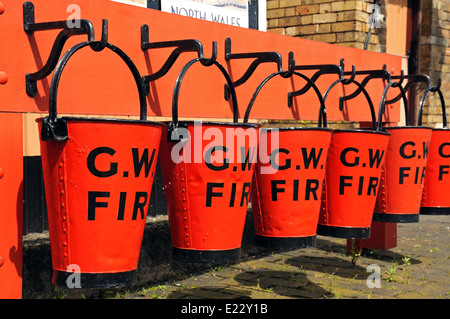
[232,12]
[139,3]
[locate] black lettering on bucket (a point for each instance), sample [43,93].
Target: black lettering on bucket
[377,157]
[93,203]
[373,183]
[143,160]
[275,189]
[273,162]
[140,202]
[216,190]
[307,158]
[208,155]
[312,186]
[344,160]
[91,162]
[443,169]
[121,211]
[245,193]
[419,174]
[210,194]
[139,205]
[426,148]
[403,153]
[402,174]
[347,181]
[343,184]
[247,159]
[441,150]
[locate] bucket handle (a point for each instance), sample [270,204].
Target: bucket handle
[361,88]
[56,129]
[437,89]
[286,74]
[172,135]
[383,101]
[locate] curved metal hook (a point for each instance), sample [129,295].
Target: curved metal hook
[442,100]
[209,61]
[438,86]
[322,112]
[54,129]
[412,79]
[383,104]
[100,45]
[402,78]
[366,94]
[371,74]
[291,66]
[174,124]
[352,77]
[321,70]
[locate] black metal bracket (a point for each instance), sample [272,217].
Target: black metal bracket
[258,58]
[371,74]
[187,45]
[322,69]
[412,79]
[352,80]
[286,74]
[402,95]
[77,27]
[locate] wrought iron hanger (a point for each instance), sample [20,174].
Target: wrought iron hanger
[287,74]
[402,95]
[371,74]
[258,58]
[78,27]
[181,46]
[351,80]
[322,70]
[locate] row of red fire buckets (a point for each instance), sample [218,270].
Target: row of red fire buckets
[98,175]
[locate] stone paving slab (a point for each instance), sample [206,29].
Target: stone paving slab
[418,268]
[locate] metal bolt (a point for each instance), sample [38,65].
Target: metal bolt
[3,77]
[2,8]
[1,261]
[1,172]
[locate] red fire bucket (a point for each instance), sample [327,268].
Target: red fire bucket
[288,180]
[207,170]
[98,176]
[354,164]
[436,190]
[403,173]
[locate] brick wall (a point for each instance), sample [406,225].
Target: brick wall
[434,54]
[339,22]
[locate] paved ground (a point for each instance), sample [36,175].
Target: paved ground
[418,268]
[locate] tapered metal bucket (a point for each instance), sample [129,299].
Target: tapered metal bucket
[353,172]
[207,182]
[288,180]
[436,189]
[401,186]
[98,175]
